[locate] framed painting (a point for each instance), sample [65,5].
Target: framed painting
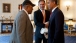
[6,8]
[20,7]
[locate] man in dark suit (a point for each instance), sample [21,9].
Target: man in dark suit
[56,23]
[40,18]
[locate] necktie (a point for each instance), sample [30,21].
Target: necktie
[43,12]
[50,14]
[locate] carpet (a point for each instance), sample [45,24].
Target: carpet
[68,39]
[4,39]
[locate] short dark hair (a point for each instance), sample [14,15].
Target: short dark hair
[41,0]
[27,2]
[56,1]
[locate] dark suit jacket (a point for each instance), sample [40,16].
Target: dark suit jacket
[38,19]
[56,23]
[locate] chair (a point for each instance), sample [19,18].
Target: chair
[72,30]
[65,27]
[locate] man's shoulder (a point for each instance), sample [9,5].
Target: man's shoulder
[22,12]
[59,11]
[37,10]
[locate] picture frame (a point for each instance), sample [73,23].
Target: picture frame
[20,7]
[6,8]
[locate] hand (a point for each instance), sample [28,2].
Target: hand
[46,24]
[46,35]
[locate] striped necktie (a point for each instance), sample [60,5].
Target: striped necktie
[50,14]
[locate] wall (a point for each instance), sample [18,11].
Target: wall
[71,13]
[72,8]
[14,8]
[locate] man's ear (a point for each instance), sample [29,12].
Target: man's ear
[27,6]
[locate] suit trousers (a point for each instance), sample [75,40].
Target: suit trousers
[39,40]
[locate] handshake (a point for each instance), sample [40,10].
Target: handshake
[46,24]
[45,30]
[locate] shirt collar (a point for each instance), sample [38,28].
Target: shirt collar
[41,10]
[25,11]
[54,8]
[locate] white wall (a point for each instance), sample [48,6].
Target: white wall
[71,12]
[14,7]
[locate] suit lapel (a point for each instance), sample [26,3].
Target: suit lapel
[40,14]
[53,14]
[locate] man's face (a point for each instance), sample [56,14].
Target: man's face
[6,7]
[50,4]
[42,5]
[30,8]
